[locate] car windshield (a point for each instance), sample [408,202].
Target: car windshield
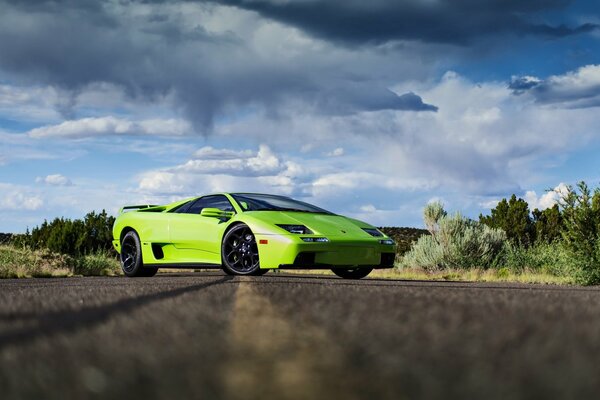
[267,202]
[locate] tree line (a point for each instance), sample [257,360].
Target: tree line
[74,237]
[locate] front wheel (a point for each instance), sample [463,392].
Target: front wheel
[131,257]
[240,252]
[352,273]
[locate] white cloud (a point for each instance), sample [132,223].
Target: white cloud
[368,208]
[489,204]
[109,126]
[337,152]
[574,89]
[210,153]
[13,197]
[548,199]
[54,180]
[30,103]
[262,163]
[214,170]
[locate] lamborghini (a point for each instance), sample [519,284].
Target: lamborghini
[247,234]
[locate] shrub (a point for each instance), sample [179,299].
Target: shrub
[551,258]
[512,217]
[581,218]
[74,237]
[455,242]
[21,263]
[98,264]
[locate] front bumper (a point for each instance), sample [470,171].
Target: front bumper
[289,251]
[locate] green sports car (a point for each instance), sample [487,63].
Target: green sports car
[247,234]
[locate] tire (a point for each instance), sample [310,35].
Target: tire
[239,252]
[131,257]
[352,273]
[261,272]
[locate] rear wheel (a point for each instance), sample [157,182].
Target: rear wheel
[240,252]
[131,257]
[352,273]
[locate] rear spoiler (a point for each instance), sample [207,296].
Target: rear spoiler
[138,207]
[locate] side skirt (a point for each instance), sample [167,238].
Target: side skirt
[330,266]
[185,265]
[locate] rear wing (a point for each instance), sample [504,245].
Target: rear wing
[135,208]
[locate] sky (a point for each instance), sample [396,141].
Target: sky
[369,109]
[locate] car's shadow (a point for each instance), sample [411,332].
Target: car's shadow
[53,322]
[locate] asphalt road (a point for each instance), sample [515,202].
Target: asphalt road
[210,336]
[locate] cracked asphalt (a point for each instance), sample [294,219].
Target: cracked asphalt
[211,336]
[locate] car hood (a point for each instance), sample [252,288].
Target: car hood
[320,224]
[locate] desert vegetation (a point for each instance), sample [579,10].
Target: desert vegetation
[561,242]
[62,247]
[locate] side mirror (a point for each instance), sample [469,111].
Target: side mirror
[216,213]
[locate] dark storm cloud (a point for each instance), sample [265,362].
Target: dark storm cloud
[72,44]
[441,21]
[353,97]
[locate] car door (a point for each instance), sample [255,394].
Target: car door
[189,230]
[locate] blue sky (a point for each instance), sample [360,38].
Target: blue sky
[370,109]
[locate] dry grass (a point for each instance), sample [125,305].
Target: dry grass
[25,263]
[470,275]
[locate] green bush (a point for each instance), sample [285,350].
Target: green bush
[73,237]
[455,242]
[551,258]
[581,232]
[98,264]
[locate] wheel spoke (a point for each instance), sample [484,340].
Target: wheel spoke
[240,250]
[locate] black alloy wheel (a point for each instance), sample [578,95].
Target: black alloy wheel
[131,257]
[240,252]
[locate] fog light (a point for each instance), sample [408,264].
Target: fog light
[386,241]
[315,239]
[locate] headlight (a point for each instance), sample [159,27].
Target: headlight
[298,229]
[387,241]
[315,239]
[373,232]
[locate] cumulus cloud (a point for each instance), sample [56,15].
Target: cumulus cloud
[574,89]
[262,163]
[13,197]
[483,141]
[548,199]
[54,180]
[30,103]
[108,126]
[236,170]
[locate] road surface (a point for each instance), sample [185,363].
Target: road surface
[211,336]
